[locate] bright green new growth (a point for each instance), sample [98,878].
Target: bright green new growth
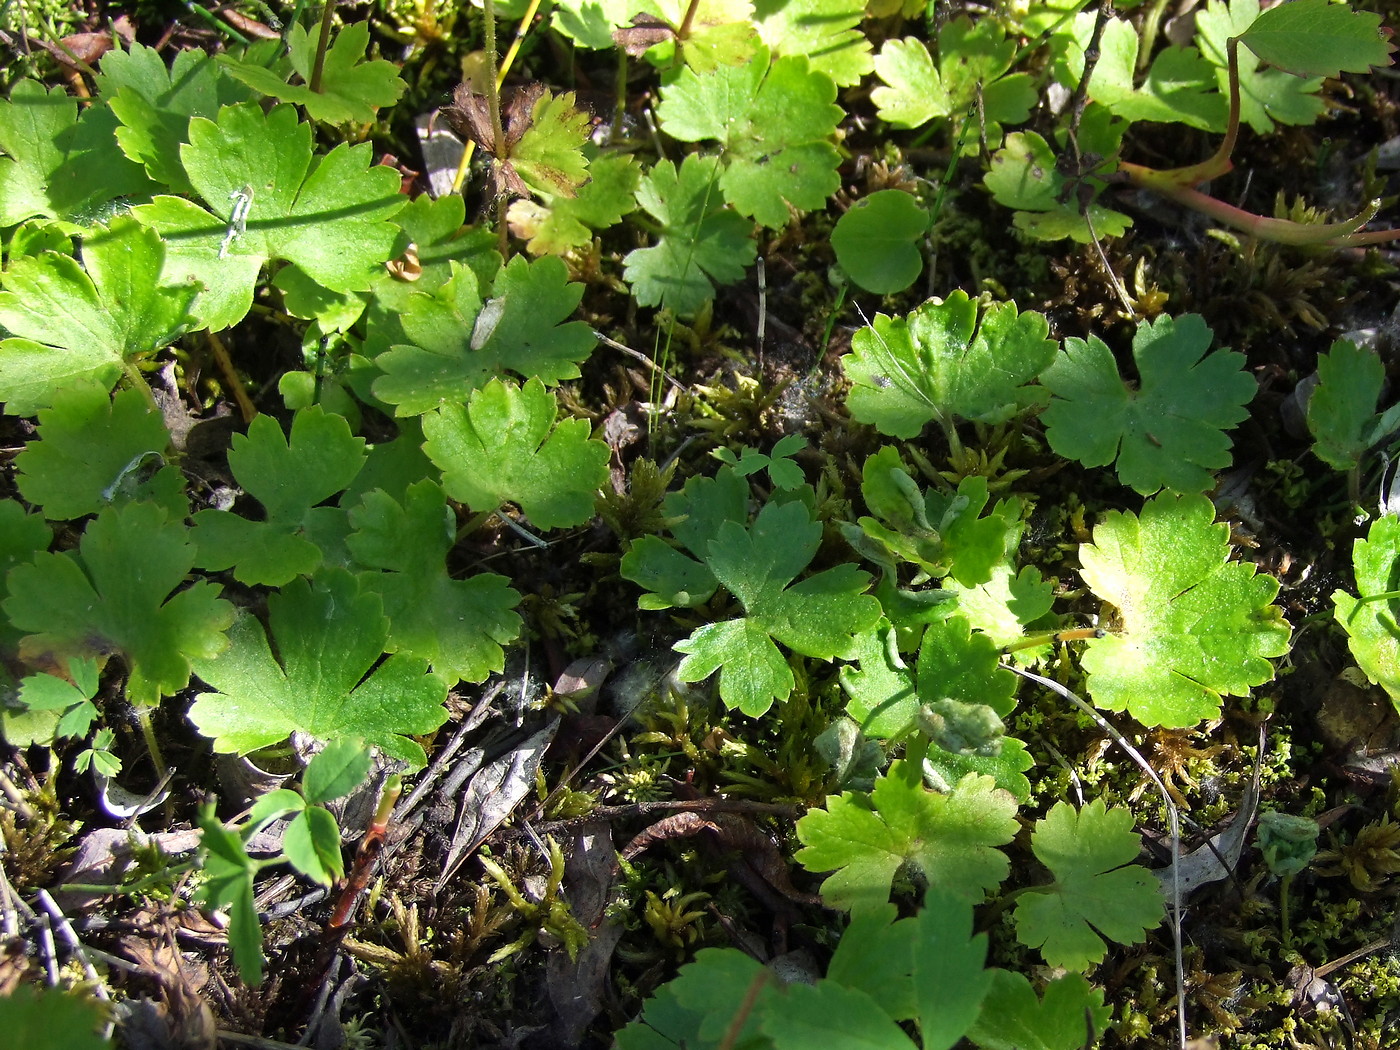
[460,343]
[72,700]
[289,477]
[876,241]
[953,358]
[916,90]
[351,89]
[1192,624]
[328,635]
[1097,890]
[268,197]
[701,243]
[93,321]
[1341,410]
[1024,175]
[97,450]
[1167,433]
[504,447]
[111,596]
[1370,622]
[563,223]
[948,840]
[941,533]
[782,471]
[773,124]
[818,617]
[458,626]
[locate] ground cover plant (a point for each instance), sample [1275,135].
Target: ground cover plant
[816,523]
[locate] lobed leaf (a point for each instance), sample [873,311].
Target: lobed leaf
[503,447]
[326,679]
[114,595]
[949,841]
[954,357]
[1096,890]
[75,322]
[1193,624]
[1166,433]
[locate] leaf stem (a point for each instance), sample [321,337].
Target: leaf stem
[148,733]
[321,44]
[138,382]
[498,131]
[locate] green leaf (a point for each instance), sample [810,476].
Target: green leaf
[312,846]
[549,155]
[262,166]
[328,636]
[971,56]
[76,321]
[44,1018]
[1193,624]
[458,626]
[563,223]
[877,241]
[338,769]
[1341,410]
[824,31]
[949,841]
[1371,622]
[1097,890]
[694,1010]
[1004,606]
[351,89]
[939,532]
[111,596]
[884,696]
[1024,176]
[503,447]
[434,230]
[1319,39]
[701,243]
[672,578]
[949,980]
[1179,86]
[155,104]
[1014,1019]
[96,450]
[22,535]
[818,617]
[830,1016]
[955,357]
[58,164]
[461,343]
[875,955]
[228,880]
[289,477]
[1266,95]
[773,123]
[1169,431]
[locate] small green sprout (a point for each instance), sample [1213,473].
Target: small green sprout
[1288,844]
